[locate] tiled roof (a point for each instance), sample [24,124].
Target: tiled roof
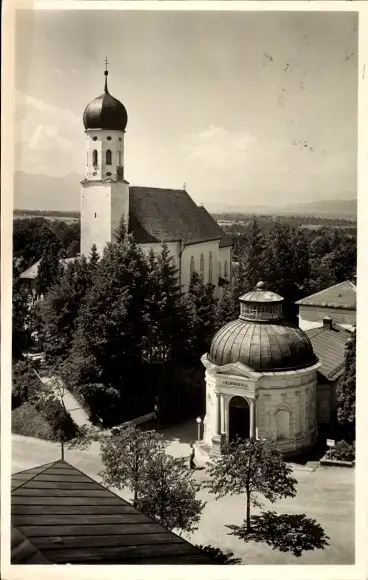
[214,227]
[167,215]
[70,518]
[342,295]
[329,346]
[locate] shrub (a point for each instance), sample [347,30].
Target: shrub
[61,423]
[218,556]
[343,451]
[25,384]
[27,421]
[100,402]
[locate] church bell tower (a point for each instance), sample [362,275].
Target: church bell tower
[104,191]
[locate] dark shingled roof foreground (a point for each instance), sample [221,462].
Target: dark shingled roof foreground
[342,295]
[60,516]
[168,215]
[329,345]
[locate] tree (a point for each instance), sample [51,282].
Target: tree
[112,323]
[202,308]
[217,555]
[227,306]
[169,494]
[252,265]
[20,323]
[346,390]
[125,457]
[60,309]
[250,466]
[25,383]
[166,315]
[48,271]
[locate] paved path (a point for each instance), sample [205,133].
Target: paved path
[76,412]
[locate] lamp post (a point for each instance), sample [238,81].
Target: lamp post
[199,421]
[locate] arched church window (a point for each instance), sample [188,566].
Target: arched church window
[201,267]
[210,268]
[119,158]
[192,266]
[225,269]
[94,157]
[108,157]
[282,424]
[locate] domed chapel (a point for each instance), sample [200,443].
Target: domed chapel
[261,378]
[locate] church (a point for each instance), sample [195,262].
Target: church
[153,215]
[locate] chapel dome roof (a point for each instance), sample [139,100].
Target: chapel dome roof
[105,112]
[260,338]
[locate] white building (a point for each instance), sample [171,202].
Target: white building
[154,215]
[261,379]
[337,302]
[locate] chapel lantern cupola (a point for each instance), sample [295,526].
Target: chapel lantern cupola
[261,305]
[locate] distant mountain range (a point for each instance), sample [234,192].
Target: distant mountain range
[342,208]
[43,192]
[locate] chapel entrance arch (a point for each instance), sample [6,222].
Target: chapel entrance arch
[239,418]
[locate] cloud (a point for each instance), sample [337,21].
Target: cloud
[217,149]
[45,133]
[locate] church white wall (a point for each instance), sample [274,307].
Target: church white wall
[225,262]
[102,206]
[173,247]
[195,251]
[312,317]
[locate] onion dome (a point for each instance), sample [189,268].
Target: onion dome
[105,112]
[260,338]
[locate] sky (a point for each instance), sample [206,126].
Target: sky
[242,107]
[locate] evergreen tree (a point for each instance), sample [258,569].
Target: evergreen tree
[60,309]
[49,270]
[346,390]
[202,308]
[167,316]
[94,257]
[227,306]
[112,324]
[252,260]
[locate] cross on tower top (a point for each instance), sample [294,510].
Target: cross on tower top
[106,73]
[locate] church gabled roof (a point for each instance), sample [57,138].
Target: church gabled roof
[213,226]
[168,215]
